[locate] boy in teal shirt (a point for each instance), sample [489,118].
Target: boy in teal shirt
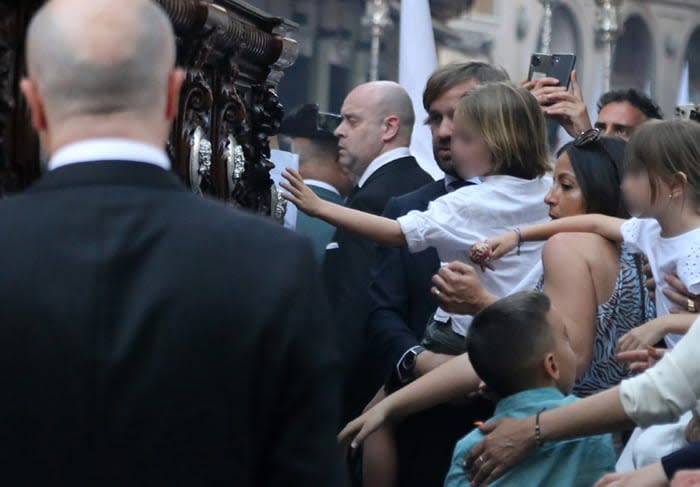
[520,349]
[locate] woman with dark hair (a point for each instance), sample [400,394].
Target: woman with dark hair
[588,174]
[597,286]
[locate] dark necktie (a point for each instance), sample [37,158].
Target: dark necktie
[458,183]
[351,195]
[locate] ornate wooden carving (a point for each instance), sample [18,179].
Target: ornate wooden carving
[234,54]
[19,153]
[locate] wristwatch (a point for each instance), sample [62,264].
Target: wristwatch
[406,367]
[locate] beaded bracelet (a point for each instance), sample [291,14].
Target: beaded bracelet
[538,432]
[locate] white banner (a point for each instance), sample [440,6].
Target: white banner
[417,61]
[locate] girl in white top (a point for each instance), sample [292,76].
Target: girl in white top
[499,136]
[661,188]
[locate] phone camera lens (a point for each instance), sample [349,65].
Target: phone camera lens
[536,61]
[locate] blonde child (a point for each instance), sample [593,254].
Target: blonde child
[499,137]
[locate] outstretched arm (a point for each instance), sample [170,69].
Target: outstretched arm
[603,225]
[451,381]
[384,231]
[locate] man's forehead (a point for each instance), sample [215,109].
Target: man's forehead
[621,113]
[454,94]
[353,107]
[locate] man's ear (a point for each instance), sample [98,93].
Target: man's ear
[30,90]
[175,80]
[392,125]
[551,366]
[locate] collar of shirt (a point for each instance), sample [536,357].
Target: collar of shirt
[524,398]
[322,185]
[96,150]
[449,179]
[383,160]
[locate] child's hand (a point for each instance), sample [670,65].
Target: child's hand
[641,360]
[502,244]
[480,253]
[300,194]
[360,428]
[641,337]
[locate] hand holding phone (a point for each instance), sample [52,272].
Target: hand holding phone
[558,66]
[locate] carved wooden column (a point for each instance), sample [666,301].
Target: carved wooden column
[234,55]
[19,153]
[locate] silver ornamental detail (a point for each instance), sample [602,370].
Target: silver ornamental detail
[200,159]
[205,152]
[607,28]
[235,160]
[378,18]
[546,40]
[278,204]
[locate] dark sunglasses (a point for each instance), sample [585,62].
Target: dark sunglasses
[592,137]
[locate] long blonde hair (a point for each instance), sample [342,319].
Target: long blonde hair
[513,126]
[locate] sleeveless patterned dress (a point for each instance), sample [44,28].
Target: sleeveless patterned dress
[628,307]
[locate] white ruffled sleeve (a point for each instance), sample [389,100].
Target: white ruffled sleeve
[689,268]
[631,231]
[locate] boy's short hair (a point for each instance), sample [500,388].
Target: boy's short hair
[508,339]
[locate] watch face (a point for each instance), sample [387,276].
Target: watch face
[409,361]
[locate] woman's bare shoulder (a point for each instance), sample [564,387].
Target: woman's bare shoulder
[585,243]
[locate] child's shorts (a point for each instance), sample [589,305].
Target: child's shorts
[439,337]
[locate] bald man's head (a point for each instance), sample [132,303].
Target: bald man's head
[377,117]
[100,57]
[389,99]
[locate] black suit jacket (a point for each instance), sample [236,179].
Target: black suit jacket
[400,286]
[151,337]
[347,274]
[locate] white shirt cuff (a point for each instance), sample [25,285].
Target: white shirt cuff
[411,229]
[660,395]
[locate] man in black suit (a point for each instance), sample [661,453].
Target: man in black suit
[374,135]
[149,336]
[400,290]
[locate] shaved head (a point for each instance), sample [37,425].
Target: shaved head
[100,57]
[377,117]
[387,99]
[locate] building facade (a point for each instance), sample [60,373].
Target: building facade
[657,50]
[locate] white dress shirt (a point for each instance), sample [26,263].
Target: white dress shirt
[381,161]
[109,149]
[670,388]
[457,220]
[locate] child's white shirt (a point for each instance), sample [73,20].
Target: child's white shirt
[455,221]
[679,255]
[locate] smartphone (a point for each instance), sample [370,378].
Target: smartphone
[557,66]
